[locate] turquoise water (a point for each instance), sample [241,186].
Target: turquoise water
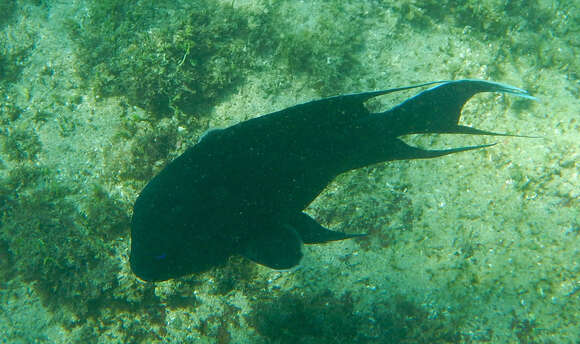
[478,247]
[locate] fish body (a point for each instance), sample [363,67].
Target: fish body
[242,190]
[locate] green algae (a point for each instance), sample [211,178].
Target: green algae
[161,56]
[165,57]
[37,219]
[483,250]
[21,144]
[7,9]
[322,317]
[320,48]
[13,56]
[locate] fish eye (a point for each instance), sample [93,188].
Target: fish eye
[161,256]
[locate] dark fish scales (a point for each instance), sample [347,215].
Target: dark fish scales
[242,190]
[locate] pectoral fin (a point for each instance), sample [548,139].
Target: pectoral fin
[278,248]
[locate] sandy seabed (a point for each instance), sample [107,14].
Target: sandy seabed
[477,247]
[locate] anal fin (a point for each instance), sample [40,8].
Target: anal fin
[311,232]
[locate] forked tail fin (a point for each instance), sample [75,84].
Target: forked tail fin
[437,110]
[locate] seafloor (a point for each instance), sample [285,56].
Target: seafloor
[478,247]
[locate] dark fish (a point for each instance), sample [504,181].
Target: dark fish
[242,190]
